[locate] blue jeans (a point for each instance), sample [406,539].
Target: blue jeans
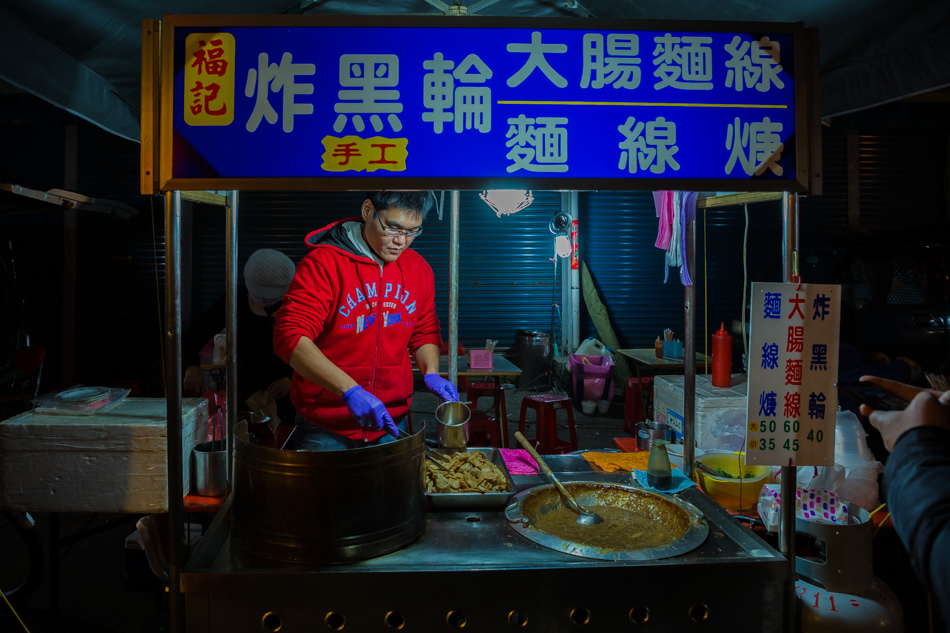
[310,437]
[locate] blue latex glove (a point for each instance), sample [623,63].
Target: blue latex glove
[441,387]
[368,411]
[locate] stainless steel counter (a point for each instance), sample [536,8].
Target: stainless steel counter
[471,569]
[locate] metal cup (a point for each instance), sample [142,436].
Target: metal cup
[453,424]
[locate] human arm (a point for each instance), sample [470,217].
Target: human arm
[193,383]
[280,388]
[308,361]
[905,391]
[427,360]
[193,340]
[926,408]
[918,499]
[426,341]
[312,364]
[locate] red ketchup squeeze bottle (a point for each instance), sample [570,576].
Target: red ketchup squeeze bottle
[722,358]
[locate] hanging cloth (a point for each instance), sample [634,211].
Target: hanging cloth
[663,200]
[674,210]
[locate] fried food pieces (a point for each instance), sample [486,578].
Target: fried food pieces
[465,472]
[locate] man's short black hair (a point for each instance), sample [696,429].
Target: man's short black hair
[416,202]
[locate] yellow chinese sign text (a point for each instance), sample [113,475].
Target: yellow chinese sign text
[209,79]
[352,153]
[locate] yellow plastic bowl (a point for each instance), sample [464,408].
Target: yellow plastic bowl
[733,494]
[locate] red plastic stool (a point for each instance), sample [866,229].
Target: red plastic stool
[546,406]
[478,390]
[633,412]
[484,429]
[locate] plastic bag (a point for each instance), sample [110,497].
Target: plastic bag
[820,506]
[217,414]
[594,347]
[592,378]
[860,487]
[80,400]
[727,431]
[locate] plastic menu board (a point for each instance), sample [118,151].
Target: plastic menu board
[793,365]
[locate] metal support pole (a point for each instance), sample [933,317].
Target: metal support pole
[454,289]
[231,299]
[567,302]
[555,339]
[575,285]
[689,354]
[173,416]
[789,472]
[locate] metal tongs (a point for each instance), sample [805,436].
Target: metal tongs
[435,458]
[707,469]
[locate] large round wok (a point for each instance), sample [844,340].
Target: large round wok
[684,521]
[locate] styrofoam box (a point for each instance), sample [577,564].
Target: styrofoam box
[114,461]
[712,404]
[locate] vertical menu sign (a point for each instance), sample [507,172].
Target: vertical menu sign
[317,103]
[793,366]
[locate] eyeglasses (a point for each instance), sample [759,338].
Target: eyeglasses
[416,232]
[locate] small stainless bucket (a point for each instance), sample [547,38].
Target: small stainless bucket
[210,468]
[453,424]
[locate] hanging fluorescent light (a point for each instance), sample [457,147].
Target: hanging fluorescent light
[507,201]
[560,225]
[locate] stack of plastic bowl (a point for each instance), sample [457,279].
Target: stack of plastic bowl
[860,485]
[851,447]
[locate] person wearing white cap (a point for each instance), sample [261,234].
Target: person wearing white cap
[267,276]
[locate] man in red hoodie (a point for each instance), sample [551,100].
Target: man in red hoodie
[360,303]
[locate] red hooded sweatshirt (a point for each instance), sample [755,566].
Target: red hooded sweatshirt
[365,316]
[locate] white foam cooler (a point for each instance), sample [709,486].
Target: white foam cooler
[114,461]
[718,410]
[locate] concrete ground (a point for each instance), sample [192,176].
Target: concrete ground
[96,595]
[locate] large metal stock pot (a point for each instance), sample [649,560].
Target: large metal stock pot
[327,507]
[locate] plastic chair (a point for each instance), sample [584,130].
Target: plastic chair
[546,406]
[484,428]
[639,393]
[21,384]
[477,390]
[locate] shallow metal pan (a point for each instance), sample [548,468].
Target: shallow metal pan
[474,500]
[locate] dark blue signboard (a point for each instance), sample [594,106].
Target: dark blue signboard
[468,103]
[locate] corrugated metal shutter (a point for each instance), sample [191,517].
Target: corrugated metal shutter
[279,220]
[618,231]
[828,212]
[903,176]
[120,266]
[505,268]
